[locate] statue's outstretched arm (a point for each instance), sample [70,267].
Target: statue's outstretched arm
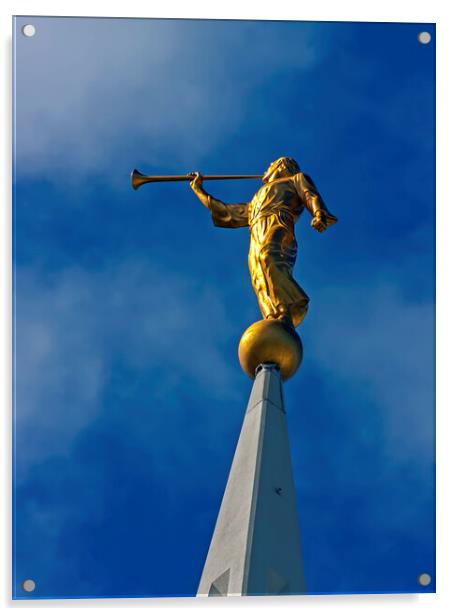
[224,215]
[321,217]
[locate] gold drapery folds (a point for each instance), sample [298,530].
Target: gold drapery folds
[271,216]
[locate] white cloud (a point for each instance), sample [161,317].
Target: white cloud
[91,92]
[73,326]
[381,345]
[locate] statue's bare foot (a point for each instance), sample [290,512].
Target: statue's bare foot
[284,315]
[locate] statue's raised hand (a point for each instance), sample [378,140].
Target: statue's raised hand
[196,182]
[319,221]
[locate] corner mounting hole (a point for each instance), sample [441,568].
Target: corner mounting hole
[29,585]
[424,579]
[28,30]
[424,38]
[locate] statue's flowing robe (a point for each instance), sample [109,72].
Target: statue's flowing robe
[271,217]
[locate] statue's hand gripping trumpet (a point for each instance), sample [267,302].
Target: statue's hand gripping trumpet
[271,216]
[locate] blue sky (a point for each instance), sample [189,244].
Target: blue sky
[129,306]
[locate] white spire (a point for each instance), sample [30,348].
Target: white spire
[255,548]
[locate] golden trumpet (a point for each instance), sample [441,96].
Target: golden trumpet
[137,178]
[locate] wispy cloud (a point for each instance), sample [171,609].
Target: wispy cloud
[74,328]
[379,343]
[183,87]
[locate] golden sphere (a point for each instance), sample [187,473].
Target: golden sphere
[270,341]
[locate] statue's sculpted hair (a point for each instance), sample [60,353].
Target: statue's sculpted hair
[289,163]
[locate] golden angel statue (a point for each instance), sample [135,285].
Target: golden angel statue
[271,216]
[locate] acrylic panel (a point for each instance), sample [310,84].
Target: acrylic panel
[129,306]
